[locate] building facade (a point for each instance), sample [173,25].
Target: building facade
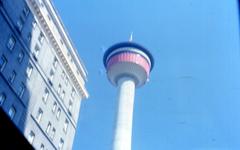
[42,78]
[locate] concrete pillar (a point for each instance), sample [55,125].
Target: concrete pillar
[123,129]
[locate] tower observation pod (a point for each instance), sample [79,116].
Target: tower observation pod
[128,66]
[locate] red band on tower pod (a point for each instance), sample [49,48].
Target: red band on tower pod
[130,57]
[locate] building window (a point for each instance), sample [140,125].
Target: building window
[51,75]
[12,77]
[65,127]
[59,88]
[34,24]
[60,145]
[53,133]
[3,62]
[31,137]
[29,37]
[58,113]
[25,10]
[11,43]
[39,115]
[48,127]
[36,51]
[66,81]
[20,23]
[29,70]
[21,90]
[20,56]
[73,93]
[54,107]
[63,75]
[70,105]
[41,3]
[61,41]
[62,95]
[2,98]
[42,147]
[49,18]
[45,96]
[55,62]
[41,38]
[12,112]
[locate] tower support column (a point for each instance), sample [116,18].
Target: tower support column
[123,128]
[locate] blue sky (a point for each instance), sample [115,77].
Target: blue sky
[192,100]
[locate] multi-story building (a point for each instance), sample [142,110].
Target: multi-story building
[42,78]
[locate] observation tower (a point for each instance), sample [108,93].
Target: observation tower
[128,66]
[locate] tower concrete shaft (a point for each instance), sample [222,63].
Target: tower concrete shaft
[128,67]
[123,129]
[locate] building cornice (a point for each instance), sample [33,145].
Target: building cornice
[48,27]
